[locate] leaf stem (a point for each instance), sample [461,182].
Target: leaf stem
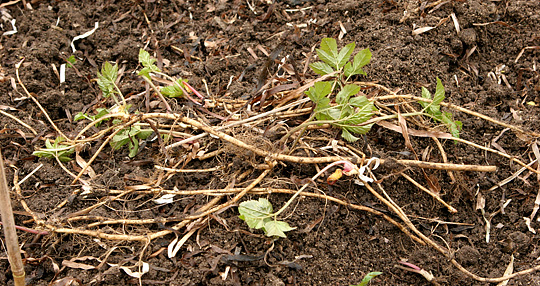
[169,110]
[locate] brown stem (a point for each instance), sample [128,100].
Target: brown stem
[10,233]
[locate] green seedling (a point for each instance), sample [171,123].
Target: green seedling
[107,83]
[100,113]
[368,278]
[348,111]
[71,61]
[334,60]
[259,215]
[433,109]
[148,64]
[56,150]
[130,136]
[178,87]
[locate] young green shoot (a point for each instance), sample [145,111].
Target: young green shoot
[71,61]
[368,278]
[348,111]
[433,109]
[56,150]
[107,83]
[178,87]
[334,60]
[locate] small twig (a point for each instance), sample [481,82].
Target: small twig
[429,192]
[17,67]
[19,121]
[189,171]
[161,97]
[444,158]
[443,166]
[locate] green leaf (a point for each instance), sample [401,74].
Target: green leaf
[434,109]
[109,71]
[120,139]
[368,278]
[255,213]
[55,150]
[328,52]
[174,90]
[145,59]
[346,92]
[277,228]
[318,92]
[80,116]
[71,61]
[348,136]
[361,59]
[107,78]
[439,93]
[361,101]
[148,64]
[321,68]
[344,55]
[133,146]
[358,129]
[143,134]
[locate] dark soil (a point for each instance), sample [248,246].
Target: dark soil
[209,42]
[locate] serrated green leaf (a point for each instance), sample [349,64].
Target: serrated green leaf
[107,78]
[439,93]
[346,92]
[321,68]
[434,109]
[277,228]
[319,91]
[328,52]
[361,59]
[109,71]
[327,57]
[425,94]
[359,129]
[329,45]
[148,64]
[344,55]
[255,213]
[145,59]
[348,136]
